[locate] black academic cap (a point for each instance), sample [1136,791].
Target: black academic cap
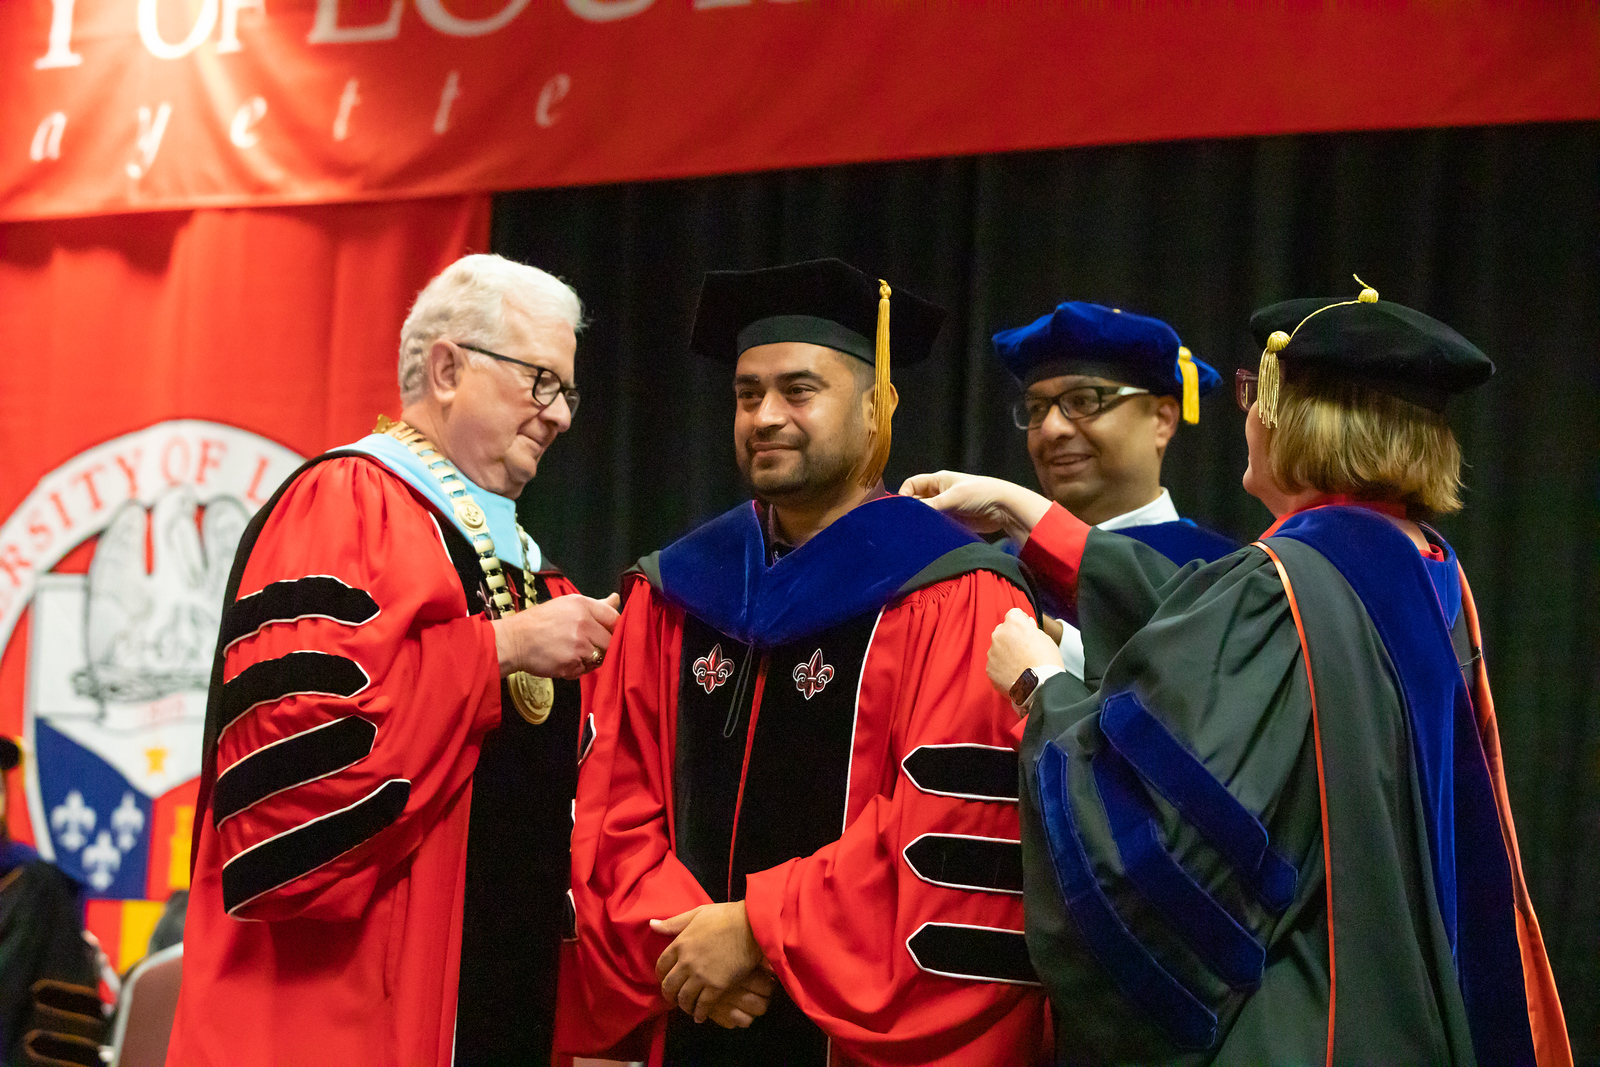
[1387,346]
[10,753]
[821,301]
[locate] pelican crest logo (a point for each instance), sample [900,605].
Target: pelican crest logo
[118,558]
[810,677]
[712,669]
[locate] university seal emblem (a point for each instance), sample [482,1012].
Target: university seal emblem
[112,573]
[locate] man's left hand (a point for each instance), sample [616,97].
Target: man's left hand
[714,951]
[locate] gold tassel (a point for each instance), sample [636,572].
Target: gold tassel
[1269,376]
[884,396]
[1191,386]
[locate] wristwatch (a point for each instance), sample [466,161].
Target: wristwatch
[1022,689]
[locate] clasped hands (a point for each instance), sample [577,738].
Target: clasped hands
[714,969]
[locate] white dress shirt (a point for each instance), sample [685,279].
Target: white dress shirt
[1158,510]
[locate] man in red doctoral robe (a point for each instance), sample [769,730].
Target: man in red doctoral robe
[361,726]
[797,816]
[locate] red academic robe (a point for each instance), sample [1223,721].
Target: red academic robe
[894,923]
[325,918]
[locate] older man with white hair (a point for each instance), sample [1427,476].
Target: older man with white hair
[395,678]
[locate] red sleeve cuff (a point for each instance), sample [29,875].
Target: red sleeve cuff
[763,907]
[488,711]
[1054,552]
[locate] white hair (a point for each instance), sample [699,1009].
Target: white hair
[466,303]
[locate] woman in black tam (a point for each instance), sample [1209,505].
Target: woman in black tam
[1277,830]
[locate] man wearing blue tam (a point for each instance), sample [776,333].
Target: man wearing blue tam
[1103,391]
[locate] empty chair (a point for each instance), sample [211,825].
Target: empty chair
[144,1015]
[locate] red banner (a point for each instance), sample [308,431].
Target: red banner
[119,105]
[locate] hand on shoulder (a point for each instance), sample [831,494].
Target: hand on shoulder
[984,505]
[1017,645]
[557,639]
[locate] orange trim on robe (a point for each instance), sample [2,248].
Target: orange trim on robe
[1551,1046]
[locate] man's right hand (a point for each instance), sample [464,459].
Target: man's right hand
[556,639]
[740,1005]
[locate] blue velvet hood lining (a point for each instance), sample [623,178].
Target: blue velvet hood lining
[719,573]
[1412,603]
[14,854]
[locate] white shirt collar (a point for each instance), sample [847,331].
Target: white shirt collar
[1158,510]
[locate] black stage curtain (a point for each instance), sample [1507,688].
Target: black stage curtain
[1494,230]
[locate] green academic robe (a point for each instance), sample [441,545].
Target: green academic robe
[1232,967]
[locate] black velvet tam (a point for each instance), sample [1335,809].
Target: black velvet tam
[10,754]
[1388,346]
[821,301]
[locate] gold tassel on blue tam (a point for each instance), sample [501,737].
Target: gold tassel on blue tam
[1116,346]
[1191,385]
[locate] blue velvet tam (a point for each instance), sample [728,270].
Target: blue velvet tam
[1083,338]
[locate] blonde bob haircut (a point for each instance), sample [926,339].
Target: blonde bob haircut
[1338,436]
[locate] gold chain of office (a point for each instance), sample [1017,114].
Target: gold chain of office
[532,697]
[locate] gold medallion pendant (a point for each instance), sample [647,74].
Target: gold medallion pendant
[532,697]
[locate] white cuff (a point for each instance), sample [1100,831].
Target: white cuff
[1044,672]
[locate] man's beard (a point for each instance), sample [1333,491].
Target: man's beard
[820,476]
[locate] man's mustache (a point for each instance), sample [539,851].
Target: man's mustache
[774,438]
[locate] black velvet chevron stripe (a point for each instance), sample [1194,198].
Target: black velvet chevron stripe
[977,863]
[316,596]
[975,952]
[974,772]
[296,853]
[305,757]
[297,672]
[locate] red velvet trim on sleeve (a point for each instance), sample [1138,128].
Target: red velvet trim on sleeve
[1054,552]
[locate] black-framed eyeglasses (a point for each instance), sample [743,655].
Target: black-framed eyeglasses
[1079,402]
[1245,383]
[546,382]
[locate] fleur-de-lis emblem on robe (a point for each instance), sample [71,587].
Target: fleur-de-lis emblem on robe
[810,677]
[712,669]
